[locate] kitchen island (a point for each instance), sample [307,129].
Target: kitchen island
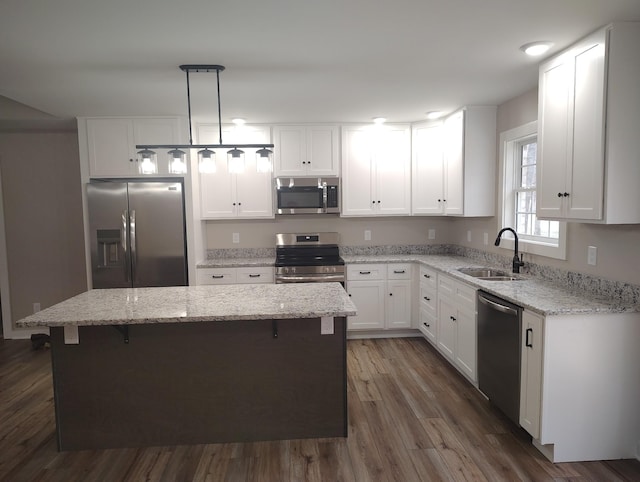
[199,364]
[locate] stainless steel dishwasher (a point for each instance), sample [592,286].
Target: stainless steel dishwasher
[499,335]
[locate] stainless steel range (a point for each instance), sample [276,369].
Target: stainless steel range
[308,258]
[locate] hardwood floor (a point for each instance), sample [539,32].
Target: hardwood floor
[411,418]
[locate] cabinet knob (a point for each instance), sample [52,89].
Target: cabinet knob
[566,194]
[234,204]
[452,318]
[390,294]
[559,194]
[427,298]
[373,202]
[378,202]
[239,204]
[130,160]
[427,325]
[349,295]
[427,276]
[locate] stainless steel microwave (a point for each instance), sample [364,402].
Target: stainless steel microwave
[307,195]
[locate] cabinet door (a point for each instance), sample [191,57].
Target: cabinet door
[368,296]
[290,150]
[358,196]
[453,164]
[446,327]
[466,342]
[428,172]
[428,325]
[322,151]
[585,171]
[217,191]
[398,299]
[553,139]
[254,191]
[111,147]
[531,373]
[393,171]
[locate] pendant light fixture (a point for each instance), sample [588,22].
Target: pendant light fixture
[206,154]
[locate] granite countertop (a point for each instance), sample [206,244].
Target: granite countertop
[236,263]
[537,295]
[121,306]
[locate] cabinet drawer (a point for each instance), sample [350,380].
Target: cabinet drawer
[216,276]
[264,274]
[428,277]
[399,271]
[366,272]
[428,299]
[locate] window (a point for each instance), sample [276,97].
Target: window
[537,236]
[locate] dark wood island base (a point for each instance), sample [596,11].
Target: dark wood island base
[199,382]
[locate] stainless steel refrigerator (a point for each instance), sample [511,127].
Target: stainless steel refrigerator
[137,233]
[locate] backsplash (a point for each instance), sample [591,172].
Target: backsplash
[614,290]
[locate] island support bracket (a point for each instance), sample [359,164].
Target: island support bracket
[124,331]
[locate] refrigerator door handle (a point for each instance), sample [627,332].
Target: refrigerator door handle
[125,242]
[132,240]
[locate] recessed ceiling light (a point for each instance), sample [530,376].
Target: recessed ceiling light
[379,120]
[434,114]
[536,48]
[239,122]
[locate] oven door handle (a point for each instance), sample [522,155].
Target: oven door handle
[324,197]
[310,279]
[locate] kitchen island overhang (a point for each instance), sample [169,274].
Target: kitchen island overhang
[196,369]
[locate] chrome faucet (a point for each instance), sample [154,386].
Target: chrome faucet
[516,259]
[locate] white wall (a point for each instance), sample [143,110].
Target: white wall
[618,246]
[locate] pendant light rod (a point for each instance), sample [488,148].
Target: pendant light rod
[188,68]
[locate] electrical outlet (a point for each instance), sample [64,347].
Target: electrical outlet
[432,234]
[367,235]
[592,255]
[236,238]
[468,236]
[485,238]
[36,307]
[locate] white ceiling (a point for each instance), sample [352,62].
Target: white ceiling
[286,60]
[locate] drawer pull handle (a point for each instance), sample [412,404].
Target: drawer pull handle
[452,318]
[398,271]
[254,276]
[427,298]
[365,272]
[427,325]
[217,276]
[427,276]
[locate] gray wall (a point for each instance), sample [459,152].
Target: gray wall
[41,194]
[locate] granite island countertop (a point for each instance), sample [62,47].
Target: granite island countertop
[181,304]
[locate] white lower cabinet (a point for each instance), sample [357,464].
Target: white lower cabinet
[456,330]
[229,276]
[531,372]
[382,294]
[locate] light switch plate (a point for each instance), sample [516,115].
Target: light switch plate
[236,238]
[326,325]
[367,235]
[432,234]
[592,255]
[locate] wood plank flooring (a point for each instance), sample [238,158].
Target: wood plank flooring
[411,418]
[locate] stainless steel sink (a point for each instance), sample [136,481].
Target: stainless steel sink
[488,274]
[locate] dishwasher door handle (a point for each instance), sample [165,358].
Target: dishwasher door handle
[497,306]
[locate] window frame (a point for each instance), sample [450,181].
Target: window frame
[510,141]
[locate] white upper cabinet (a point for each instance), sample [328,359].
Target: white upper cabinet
[310,151]
[376,170]
[453,164]
[589,111]
[224,194]
[111,143]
